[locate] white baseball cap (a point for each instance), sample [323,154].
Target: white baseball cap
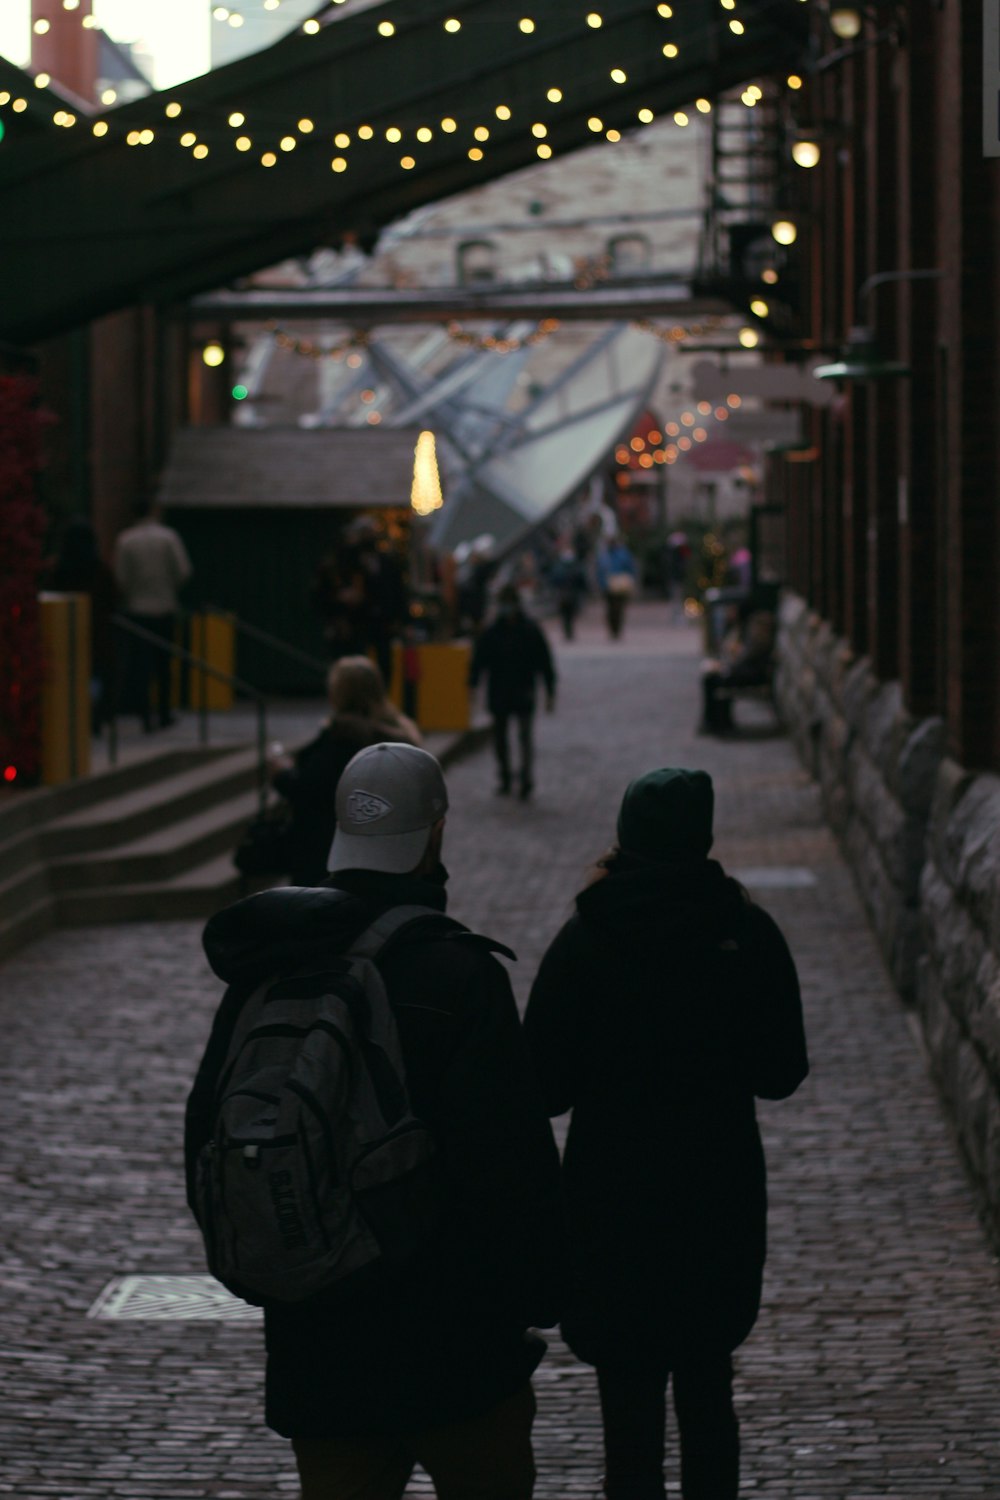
[388,799]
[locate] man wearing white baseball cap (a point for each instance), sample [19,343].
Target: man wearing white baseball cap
[432,1365]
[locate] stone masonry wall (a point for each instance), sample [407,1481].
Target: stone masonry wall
[923,839]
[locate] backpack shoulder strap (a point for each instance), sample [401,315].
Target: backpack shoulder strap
[390,925]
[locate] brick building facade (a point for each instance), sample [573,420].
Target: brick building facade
[890,657]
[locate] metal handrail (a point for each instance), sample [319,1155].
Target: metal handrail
[236,683]
[265,638]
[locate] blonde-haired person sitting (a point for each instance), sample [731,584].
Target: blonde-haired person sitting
[361,714]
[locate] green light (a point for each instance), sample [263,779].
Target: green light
[240,393]
[3,130]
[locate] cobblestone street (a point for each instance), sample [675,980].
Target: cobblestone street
[874,1370]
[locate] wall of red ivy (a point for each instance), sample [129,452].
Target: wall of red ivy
[22,524]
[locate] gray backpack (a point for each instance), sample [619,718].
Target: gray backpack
[317,1170]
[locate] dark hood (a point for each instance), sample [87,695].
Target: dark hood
[279,929]
[696,901]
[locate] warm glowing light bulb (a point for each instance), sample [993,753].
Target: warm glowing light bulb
[502,112]
[188,138]
[342,139]
[475,154]
[646,116]
[759,307]
[595,124]
[365,133]
[540,130]
[394,134]
[287,143]
[338,164]
[544,150]
[452,24]
[41,27]
[618,75]
[268,159]
[306,127]
[770,275]
[172,110]
[200,151]
[613,135]
[845,21]
[680,118]
[737,28]
[235,19]
[132,139]
[109,96]
[666,11]
[794,81]
[554,96]
[386,28]
[407,163]
[100,127]
[243,143]
[425,134]
[526,24]
[806,153]
[784,231]
[704,106]
[42,80]
[448,125]
[236,118]
[595,20]
[670,50]
[213,355]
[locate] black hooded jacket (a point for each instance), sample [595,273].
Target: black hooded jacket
[446,1339]
[660,1010]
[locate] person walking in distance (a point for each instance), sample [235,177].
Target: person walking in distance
[425,1358]
[617,579]
[150,565]
[512,653]
[663,1007]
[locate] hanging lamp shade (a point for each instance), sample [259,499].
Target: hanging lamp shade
[860,360]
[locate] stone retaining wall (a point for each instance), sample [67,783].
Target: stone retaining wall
[923,839]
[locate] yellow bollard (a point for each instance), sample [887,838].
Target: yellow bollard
[213,640]
[443,688]
[66,673]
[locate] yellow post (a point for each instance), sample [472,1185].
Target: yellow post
[443,689]
[213,640]
[66,673]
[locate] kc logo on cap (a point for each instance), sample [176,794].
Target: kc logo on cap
[366,807]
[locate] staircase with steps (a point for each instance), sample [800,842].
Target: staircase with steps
[147,841]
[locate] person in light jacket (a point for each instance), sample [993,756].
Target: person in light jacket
[663,1007]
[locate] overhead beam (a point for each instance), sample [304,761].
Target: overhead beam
[380,305]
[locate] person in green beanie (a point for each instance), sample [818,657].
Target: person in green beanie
[666,1004]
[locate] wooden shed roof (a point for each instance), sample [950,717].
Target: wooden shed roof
[288,468]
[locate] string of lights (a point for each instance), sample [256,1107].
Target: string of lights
[653,448]
[208,130]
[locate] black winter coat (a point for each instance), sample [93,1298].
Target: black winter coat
[512,653]
[310,788]
[447,1338]
[660,1010]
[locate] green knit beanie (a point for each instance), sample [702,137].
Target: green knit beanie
[667,815]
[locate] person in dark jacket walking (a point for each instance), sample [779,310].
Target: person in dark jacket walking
[512,653]
[432,1364]
[360,714]
[665,1004]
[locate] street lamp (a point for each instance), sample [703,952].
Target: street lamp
[860,358]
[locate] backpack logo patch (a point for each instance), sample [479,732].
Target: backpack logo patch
[366,807]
